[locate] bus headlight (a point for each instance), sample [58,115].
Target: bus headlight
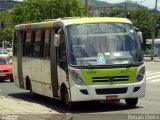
[76,78]
[78,81]
[141,74]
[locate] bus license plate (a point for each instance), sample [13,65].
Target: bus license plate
[113,97]
[2,75]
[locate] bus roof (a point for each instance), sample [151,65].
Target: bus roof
[99,19]
[70,21]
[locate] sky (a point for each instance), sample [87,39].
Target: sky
[149,3]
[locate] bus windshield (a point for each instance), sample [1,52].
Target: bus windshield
[103,44]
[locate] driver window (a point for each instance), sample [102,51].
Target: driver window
[62,50]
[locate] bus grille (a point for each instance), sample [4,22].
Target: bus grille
[111,91]
[3,71]
[110,79]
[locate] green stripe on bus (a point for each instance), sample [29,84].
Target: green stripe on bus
[109,76]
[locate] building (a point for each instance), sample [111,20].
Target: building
[156,45]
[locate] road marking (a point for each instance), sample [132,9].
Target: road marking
[153,81]
[153,73]
[148,72]
[152,77]
[0,90]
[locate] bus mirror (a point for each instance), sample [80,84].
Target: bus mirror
[139,33]
[56,40]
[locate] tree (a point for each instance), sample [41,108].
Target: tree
[38,10]
[143,19]
[117,13]
[157,26]
[6,29]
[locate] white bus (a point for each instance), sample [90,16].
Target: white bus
[80,59]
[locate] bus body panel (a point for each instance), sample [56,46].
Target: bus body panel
[62,77]
[78,96]
[97,91]
[15,71]
[38,71]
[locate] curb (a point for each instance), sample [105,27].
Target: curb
[148,59]
[68,116]
[16,109]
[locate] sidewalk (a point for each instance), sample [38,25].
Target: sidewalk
[16,109]
[155,59]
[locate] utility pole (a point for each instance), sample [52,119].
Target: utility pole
[86,8]
[125,9]
[153,30]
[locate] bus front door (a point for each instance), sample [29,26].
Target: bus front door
[19,59]
[53,59]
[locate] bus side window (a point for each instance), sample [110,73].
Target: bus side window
[38,44]
[47,40]
[15,44]
[27,50]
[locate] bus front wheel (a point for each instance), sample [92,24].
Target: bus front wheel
[66,100]
[131,102]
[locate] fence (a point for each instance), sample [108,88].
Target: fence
[149,53]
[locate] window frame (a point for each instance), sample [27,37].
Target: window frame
[15,43]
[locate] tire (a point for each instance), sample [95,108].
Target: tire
[131,102]
[31,93]
[11,80]
[66,100]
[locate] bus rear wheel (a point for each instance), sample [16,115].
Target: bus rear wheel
[131,102]
[32,94]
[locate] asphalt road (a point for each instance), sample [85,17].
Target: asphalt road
[147,108]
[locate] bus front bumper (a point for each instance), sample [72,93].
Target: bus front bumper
[101,92]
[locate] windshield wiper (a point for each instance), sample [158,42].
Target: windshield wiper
[129,64]
[89,64]
[137,55]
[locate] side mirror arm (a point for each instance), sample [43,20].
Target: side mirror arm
[56,40]
[139,33]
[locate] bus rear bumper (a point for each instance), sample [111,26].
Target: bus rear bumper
[100,92]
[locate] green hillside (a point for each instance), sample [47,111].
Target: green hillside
[129,4]
[99,3]
[7,4]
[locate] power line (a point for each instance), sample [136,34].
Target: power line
[86,8]
[153,32]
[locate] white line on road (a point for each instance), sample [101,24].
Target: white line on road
[153,81]
[152,77]
[154,73]
[148,72]
[0,90]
